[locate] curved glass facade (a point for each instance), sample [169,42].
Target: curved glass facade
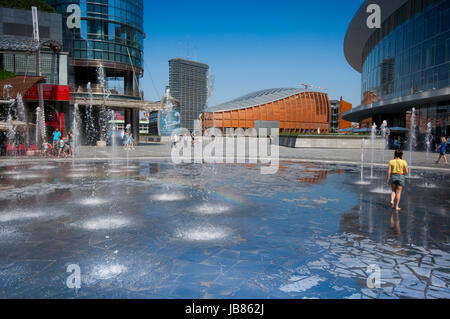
[410,54]
[111,30]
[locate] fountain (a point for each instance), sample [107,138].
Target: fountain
[412,140]
[76,130]
[170,116]
[6,91]
[11,129]
[20,109]
[385,133]
[373,136]
[428,139]
[90,121]
[362,181]
[37,127]
[194,214]
[103,114]
[16,112]
[211,79]
[112,130]
[128,130]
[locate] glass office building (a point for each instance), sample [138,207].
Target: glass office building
[111,35]
[111,30]
[404,65]
[188,84]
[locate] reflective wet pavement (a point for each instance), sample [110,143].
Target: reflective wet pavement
[156,230]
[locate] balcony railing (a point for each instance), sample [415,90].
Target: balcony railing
[97,90]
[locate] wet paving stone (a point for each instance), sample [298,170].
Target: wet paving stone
[217,231]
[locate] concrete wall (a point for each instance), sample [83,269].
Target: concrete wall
[51,21]
[331,142]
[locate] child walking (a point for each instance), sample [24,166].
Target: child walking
[442,149]
[397,170]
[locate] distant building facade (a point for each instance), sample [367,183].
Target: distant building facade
[18,54]
[339,107]
[405,64]
[295,110]
[110,35]
[188,84]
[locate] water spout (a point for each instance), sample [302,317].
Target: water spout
[428,139]
[372,145]
[412,137]
[76,131]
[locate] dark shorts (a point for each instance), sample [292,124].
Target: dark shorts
[443,153]
[398,180]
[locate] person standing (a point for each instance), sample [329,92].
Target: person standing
[125,141]
[61,147]
[46,147]
[56,137]
[175,140]
[397,170]
[131,142]
[442,149]
[70,143]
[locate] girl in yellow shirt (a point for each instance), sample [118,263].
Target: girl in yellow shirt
[398,168]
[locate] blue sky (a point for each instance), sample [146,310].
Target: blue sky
[252,45]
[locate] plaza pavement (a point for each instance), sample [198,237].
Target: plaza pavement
[154,151]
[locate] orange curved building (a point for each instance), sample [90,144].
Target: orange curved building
[296,110]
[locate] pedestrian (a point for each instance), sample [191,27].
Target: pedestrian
[61,147]
[131,142]
[397,143]
[125,141]
[56,136]
[397,170]
[442,149]
[186,139]
[45,151]
[70,143]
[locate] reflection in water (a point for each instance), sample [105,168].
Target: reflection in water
[317,176]
[373,218]
[307,231]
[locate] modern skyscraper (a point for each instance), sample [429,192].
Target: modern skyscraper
[110,34]
[188,84]
[405,64]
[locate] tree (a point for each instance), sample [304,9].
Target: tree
[27,4]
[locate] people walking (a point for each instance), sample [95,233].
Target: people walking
[125,141]
[56,137]
[46,149]
[70,143]
[174,140]
[61,147]
[442,149]
[131,142]
[397,170]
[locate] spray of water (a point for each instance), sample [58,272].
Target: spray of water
[412,137]
[428,139]
[103,113]
[91,130]
[37,126]
[385,133]
[76,130]
[373,136]
[113,129]
[362,160]
[211,80]
[6,91]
